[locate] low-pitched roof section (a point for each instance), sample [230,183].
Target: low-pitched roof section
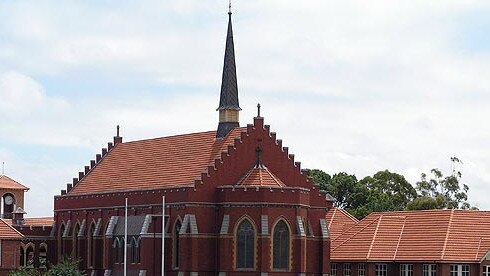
[155,163]
[8,183]
[7,232]
[432,235]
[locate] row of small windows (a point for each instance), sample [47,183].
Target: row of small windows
[405,270]
[134,251]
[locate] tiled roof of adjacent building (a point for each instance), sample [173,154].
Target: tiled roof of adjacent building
[7,232]
[260,176]
[42,221]
[432,235]
[155,163]
[8,183]
[339,221]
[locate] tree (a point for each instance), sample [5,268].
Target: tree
[384,191]
[441,192]
[341,186]
[67,267]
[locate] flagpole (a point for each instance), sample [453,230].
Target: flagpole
[126,237]
[163,235]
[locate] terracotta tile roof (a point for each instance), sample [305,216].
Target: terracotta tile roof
[432,235]
[44,221]
[260,177]
[152,163]
[7,232]
[8,183]
[339,221]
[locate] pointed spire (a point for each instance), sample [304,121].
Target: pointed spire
[228,102]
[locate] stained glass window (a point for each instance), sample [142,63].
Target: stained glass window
[245,245]
[281,246]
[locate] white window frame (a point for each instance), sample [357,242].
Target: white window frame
[381,270]
[486,270]
[347,269]
[406,269]
[333,269]
[459,270]
[430,270]
[361,269]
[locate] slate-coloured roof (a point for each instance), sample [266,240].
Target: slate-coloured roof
[432,235]
[155,163]
[229,87]
[339,221]
[7,232]
[135,224]
[260,176]
[8,183]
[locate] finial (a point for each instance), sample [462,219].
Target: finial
[258,163]
[117,134]
[258,110]
[229,8]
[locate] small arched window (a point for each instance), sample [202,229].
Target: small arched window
[177,227]
[91,245]
[135,250]
[43,251]
[245,244]
[61,240]
[76,230]
[281,246]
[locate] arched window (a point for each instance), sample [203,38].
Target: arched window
[91,245]
[43,251]
[22,255]
[76,229]
[135,250]
[120,249]
[8,205]
[116,245]
[30,255]
[281,246]
[61,240]
[176,254]
[245,245]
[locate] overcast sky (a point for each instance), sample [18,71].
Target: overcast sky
[354,86]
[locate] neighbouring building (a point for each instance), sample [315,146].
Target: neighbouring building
[415,243]
[236,203]
[23,241]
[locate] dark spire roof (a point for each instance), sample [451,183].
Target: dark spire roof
[229,88]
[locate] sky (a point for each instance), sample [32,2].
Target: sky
[350,86]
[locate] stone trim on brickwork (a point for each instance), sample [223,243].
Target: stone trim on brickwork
[225,225]
[264,222]
[111,226]
[324,229]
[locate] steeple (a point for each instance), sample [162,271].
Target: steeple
[228,102]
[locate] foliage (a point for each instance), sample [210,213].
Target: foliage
[67,267]
[441,192]
[389,191]
[22,271]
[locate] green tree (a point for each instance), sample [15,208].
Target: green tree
[67,267]
[441,192]
[384,191]
[341,186]
[22,271]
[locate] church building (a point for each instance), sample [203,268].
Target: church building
[236,203]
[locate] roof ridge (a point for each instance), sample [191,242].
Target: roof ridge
[355,234]
[345,212]
[374,237]
[447,234]
[478,249]
[399,238]
[331,219]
